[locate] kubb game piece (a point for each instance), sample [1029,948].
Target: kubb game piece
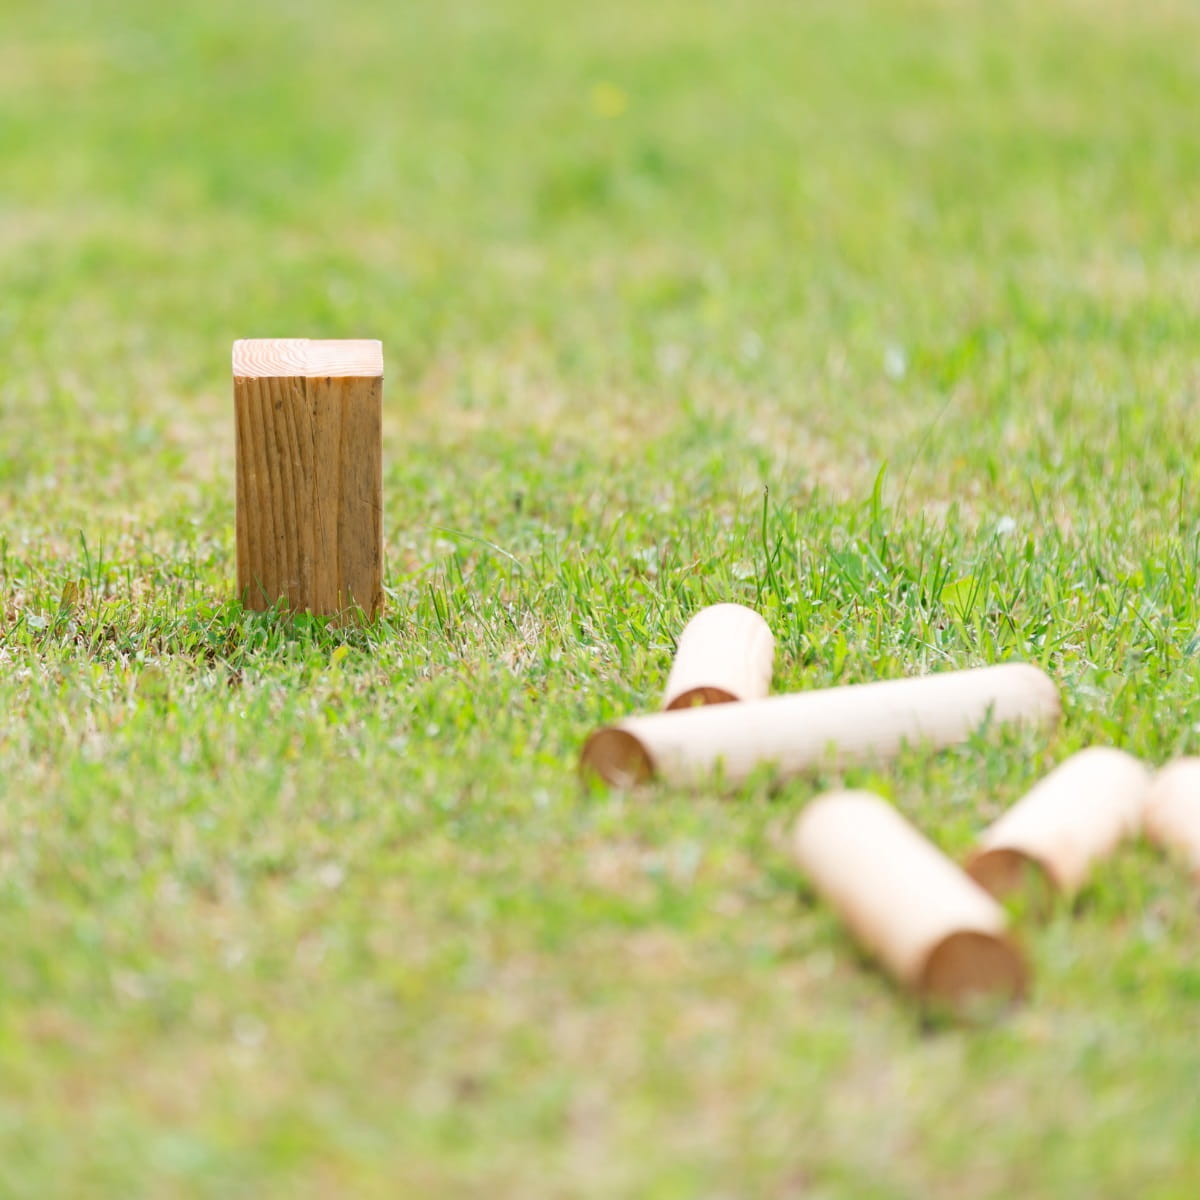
[1172,811]
[829,728]
[932,927]
[309,474]
[726,652]
[1075,816]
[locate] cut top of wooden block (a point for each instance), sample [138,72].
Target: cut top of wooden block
[310,358]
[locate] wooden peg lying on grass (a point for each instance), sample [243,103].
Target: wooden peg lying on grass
[309,474]
[1172,811]
[1075,816]
[931,925]
[726,652]
[834,727]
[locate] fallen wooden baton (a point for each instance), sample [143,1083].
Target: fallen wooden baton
[725,653]
[834,727]
[1076,815]
[916,911]
[1172,811]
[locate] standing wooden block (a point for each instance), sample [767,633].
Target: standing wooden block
[1075,816]
[726,652]
[933,927]
[309,474]
[1172,812]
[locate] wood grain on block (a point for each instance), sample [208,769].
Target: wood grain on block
[1075,816]
[917,912]
[309,474]
[1172,811]
[832,728]
[726,652]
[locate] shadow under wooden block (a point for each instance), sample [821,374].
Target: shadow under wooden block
[309,474]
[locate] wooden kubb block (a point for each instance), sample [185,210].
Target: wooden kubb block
[309,474]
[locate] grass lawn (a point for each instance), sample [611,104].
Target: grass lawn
[882,317]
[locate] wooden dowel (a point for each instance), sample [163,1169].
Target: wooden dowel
[1075,816]
[726,652]
[309,474]
[1172,811]
[928,923]
[831,728]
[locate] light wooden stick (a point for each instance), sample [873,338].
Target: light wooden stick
[1076,815]
[931,926]
[1172,811]
[834,728]
[309,474]
[725,653]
